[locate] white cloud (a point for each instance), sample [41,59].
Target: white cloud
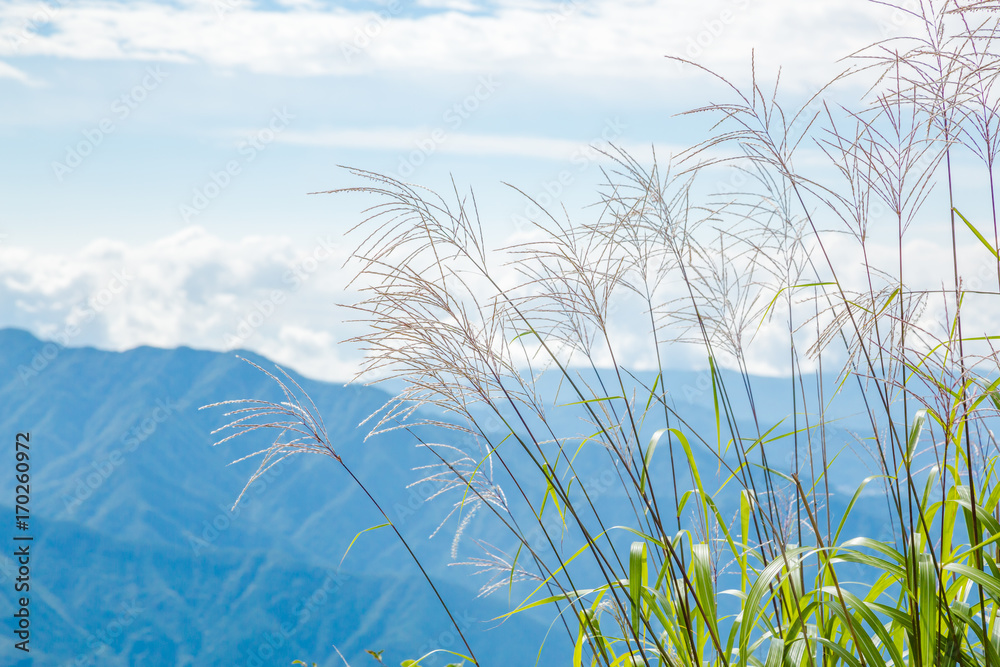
[278,298]
[587,41]
[10,72]
[301,4]
[191,288]
[455,5]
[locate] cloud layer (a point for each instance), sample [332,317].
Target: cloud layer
[280,299]
[546,40]
[192,289]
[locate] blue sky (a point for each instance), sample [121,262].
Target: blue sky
[173,144]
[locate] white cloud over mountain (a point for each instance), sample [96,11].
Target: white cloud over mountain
[192,289]
[280,299]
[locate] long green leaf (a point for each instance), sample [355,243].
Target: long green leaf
[381,525]
[982,239]
[638,581]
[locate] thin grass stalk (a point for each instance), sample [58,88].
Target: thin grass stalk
[309,424]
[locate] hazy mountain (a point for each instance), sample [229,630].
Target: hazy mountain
[138,559]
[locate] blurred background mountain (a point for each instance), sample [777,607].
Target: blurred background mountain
[138,558]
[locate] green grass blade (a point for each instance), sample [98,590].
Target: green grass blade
[982,239]
[638,581]
[381,525]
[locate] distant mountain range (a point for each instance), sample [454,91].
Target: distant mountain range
[137,558]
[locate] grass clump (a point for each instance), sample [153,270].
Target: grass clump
[723,541]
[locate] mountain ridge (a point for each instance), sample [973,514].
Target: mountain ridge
[131,502]
[138,505]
